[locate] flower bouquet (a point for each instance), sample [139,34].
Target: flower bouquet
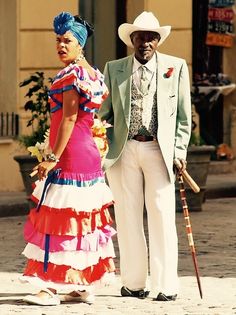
[99,130]
[41,149]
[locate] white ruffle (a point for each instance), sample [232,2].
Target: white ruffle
[79,198]
[106,280]
[75,259]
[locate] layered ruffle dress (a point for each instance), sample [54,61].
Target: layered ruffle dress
[68,233]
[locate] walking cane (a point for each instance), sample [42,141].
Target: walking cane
[195,187]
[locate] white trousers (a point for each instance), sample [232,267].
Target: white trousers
[138,177]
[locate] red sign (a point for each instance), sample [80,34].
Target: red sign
[216,39]
[221,14]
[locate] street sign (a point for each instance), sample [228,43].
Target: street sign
[216,39]
[221,3]
[221,14]
[220,27]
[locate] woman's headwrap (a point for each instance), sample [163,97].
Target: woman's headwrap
[66,22]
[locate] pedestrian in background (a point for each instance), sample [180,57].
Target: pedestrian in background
[150,110]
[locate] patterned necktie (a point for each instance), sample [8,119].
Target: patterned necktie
[144,82]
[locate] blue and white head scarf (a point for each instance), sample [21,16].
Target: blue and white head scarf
[66,22]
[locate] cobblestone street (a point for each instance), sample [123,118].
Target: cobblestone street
[215,241]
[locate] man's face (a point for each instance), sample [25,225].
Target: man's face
[145,44]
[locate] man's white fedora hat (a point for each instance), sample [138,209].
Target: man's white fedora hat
[146,21]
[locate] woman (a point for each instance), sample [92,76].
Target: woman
[68,233]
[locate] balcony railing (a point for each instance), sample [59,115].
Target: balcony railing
[9,125]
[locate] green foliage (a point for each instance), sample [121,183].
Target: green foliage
[198,100]
[196,139]
[39,107]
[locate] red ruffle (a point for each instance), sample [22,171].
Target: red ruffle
[66,274]
[67,222]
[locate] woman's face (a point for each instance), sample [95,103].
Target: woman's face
[68,48]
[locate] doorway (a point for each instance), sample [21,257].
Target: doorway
[106,16]
[207,66]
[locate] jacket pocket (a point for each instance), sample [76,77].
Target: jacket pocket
[172,105]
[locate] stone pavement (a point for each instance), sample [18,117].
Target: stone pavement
[215,241]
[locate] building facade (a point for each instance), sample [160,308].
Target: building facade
[28,45]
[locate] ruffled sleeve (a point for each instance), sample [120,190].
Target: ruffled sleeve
[92,91]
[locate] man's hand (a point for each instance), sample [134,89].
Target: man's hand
[180,165]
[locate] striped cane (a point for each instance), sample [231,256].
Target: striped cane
[189,229]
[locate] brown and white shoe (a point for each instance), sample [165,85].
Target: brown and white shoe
[44,298]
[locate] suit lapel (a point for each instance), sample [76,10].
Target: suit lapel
[124,76]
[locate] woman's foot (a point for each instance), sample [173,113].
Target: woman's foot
[45,297]
[79,296]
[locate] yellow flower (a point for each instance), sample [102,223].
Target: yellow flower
[102,146]
[40,150]
[35,152]
[99,135]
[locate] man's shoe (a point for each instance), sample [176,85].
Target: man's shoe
[140,294]
[162,297]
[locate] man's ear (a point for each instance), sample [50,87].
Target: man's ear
[131,37]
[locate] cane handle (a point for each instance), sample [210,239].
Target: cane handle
[194,186]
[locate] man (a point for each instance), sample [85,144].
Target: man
[150,110]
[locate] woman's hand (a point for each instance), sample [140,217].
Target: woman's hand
[44,168]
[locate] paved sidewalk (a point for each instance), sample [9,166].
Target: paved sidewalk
[215,241]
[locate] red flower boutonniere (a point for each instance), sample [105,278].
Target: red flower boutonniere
[169,73]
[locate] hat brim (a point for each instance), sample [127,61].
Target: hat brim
[126,29]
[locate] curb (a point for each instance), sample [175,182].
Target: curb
[15,209]
[221,192]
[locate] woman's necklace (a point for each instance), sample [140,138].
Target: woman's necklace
[81,57]
[91,74]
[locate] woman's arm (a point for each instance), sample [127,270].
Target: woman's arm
[70,111]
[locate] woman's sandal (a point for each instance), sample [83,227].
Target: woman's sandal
[45,300]
[78,296]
